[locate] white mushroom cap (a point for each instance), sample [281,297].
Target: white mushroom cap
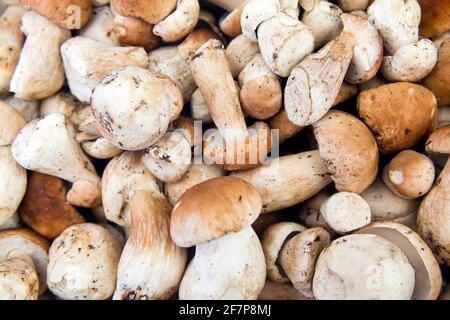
[428,273]
[169,158]
[365,267]
[411,63]
[298,257]
[255,12]
[229,268]
[398,22]
[272,241]
[83,263]
[345,212]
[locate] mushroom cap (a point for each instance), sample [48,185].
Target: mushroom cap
[135,32]
[229,268]
[428,273]
[345,212]
[386,205]
[254,13]
[368,51]
[438,80]
[151,11]
[272,241]
[349,150]
[31,244]
[18,279]
[399,114]
[410,174]
[240,51]
[299,255]
[363,266]
[83,263]
[439,141]
[44,207]
[435,18]
[230,23]
[212,209]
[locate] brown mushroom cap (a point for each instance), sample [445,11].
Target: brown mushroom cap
[151,11]
[348,149]
[286,128]
[435,17]
[399,114]
[439,141]
[44,207]
[230,24]
[212,209]
[29,243]
[438,80]
[428,274]
[135,32]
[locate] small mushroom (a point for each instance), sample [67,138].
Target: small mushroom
[284,42]
[323,19]
[39,76]
[299,255]
[261,94]
[288,180]
[212,75]
[434,209]
[151,11]
[196,173]
[273,241]
[133,107]
[398,22]
[135,32]
[230,23]
[11,42]
[67,14]
[100,28]
[345,212]
[180,22]
[411,63]
[44,207]
[26,245]
[409,175]
[87,62]
[363,266]
[310,94]
[254,13]
[13,183]
[215,216]
[428,273]
[83,263]
[240,51]
[435,18]
[438,80]
[48,146]
[399,114]
[348,149]
[11,122]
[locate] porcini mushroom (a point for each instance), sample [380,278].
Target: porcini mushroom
[363,266]
[435,18]
[409,175]
[152,11]
[151,265]
[399,114]
[48,146]
[230,23]
[34,78]
[254,13]
[83,263]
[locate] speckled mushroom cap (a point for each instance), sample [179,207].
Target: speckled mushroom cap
[399,114]
[31,244]
[349,150]
[435,17]
[428,274]
[212,209]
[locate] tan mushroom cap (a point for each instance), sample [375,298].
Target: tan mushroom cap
[44,207]
[18,278]
[428,273]
[31,244]
[435,17]
[410,174]
[212,209]
[299,255]
[230,24]
[439,141]
[272,241]
[399,114]
[349,150]
[438,80]
[135,32]
[151,11]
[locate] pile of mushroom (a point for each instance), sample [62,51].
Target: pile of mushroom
[224,149]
